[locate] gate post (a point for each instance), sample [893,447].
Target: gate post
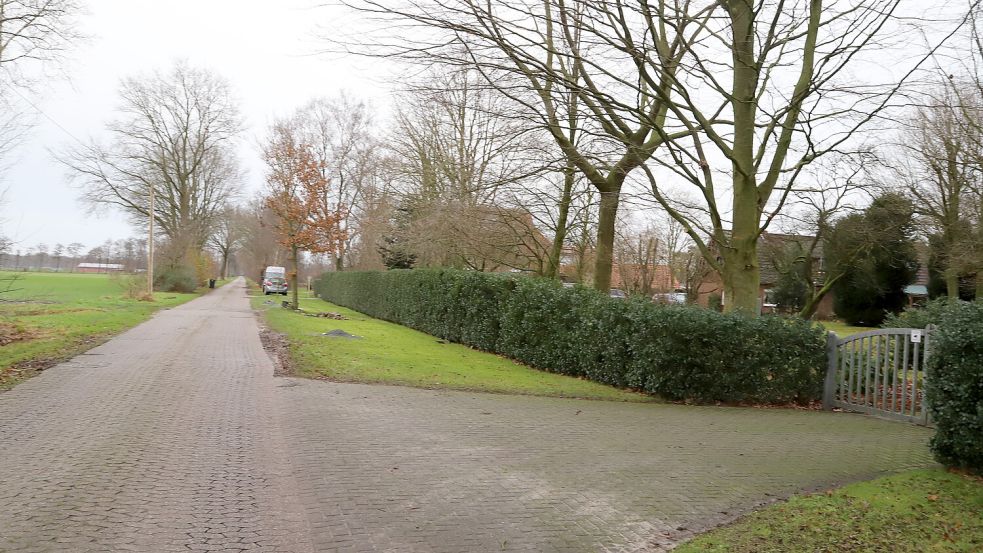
[929,329]
[829,387]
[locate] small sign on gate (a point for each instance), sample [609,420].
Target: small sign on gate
[916,336]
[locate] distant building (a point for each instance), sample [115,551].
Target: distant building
[771,248]
[99,268]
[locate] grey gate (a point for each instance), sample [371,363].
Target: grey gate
[880,372]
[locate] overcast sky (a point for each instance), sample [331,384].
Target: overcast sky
[264,49]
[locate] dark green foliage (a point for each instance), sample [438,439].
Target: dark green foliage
[936,266]
[395,255]
[873,283]
[175,278]
[920,317]
[789,293]
[954,386]
[395,252]
[678,352]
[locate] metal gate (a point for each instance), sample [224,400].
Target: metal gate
[880,372]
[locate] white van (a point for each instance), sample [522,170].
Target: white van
[275,281]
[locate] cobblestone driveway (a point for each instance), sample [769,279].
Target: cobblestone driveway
[175,436]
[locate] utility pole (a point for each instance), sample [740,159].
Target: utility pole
[150,248]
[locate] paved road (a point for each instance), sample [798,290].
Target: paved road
[175,436]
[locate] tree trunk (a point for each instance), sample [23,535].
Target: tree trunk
[742,281]
[979,286]
[816,297]
[225,264]
[606,219]
[952,284]
[293,277]
[556,251]
[741,272]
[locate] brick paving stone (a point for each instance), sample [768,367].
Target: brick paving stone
[176,436]
[161,439]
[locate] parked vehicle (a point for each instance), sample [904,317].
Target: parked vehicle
[618,294]
[670,298]
[275,281]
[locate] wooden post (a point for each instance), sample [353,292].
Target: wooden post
[150,248]
[829,388]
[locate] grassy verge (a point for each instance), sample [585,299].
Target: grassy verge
[393,354]
[925,510]
[48,317]
[843,330]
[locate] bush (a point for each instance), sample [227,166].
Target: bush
[954,387]
[678,352]
[920,317]
[175,278]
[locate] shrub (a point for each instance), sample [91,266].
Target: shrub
[678,352]
[175,278]
[954,387]
[920,317]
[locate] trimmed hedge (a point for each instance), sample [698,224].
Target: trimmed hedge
[677,352]
[954,386]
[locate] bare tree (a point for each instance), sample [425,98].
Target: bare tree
[540,54]
[228,236]
[747,92]
[41,255]
[33,34]
[458,163]
[74,250]
[176,134]
[260,246]
[937,166]
[765,95]
[638,253]
[35,30]
[340,131]
[5,246]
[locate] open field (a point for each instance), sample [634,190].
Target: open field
[48,317]
[925,510]
[393,354]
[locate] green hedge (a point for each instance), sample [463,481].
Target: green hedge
[677,352]
[954,386]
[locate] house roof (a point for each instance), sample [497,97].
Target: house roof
[916,290]
[100,266]
[771,244]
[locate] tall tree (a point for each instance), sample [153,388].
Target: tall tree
[937,166]
[873,284]
[295,194]
[458,161]
[540,54]
[34,36]
[340,132]
[176,135]
[763,95]
[227,237]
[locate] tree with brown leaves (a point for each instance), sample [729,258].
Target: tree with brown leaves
[296,194]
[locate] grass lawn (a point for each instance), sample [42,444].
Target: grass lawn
[393,354]
[48,317]
[843,330]
[925,510]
